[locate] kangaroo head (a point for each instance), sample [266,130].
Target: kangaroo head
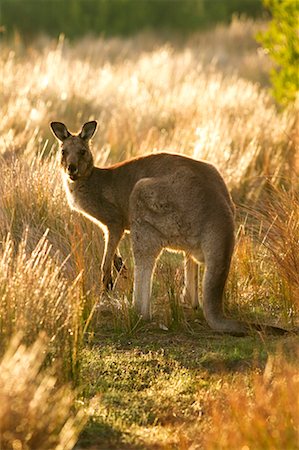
[76,157]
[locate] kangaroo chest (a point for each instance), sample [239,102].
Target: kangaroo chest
[96,204]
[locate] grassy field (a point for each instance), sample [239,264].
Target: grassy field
[79,359]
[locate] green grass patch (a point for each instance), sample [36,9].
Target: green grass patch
[142,386]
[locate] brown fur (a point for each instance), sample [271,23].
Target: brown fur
[164,200]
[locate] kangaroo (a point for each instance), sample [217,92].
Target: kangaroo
[165,201]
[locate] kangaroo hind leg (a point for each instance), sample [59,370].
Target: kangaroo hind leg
[143,275]
[190,292]
[145,251]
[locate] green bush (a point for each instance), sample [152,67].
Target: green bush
[282,42]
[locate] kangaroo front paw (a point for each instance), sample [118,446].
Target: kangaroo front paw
[118,263]
[107,282]
[120,266]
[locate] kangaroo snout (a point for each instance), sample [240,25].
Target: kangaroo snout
[72,169]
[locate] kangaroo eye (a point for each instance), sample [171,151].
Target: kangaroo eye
[82,151]
[63,152]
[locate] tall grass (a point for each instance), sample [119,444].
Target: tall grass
[166,98]
[198,97]
[279,218]
[35,413]
[148,95]
[266,418]
[35,297]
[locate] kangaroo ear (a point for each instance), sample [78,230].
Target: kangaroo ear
[60,130]
[88,130]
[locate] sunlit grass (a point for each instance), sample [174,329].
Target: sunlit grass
[202,97]
[266,416]
[36,296]
[166,98]
[35,413]
[279,218]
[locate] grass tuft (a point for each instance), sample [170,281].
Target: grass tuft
[35,296]
[265,417]
[35,413]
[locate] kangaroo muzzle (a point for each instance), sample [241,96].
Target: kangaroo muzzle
[72,171]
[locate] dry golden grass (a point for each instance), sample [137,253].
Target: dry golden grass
[200,97]
[35,414]
[166,98]
[279,219]
[264,418]
[259,411]
[35,297]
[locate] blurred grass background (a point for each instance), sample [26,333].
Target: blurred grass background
[76,18]
[181,76]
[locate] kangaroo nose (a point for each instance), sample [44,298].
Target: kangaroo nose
[72,169]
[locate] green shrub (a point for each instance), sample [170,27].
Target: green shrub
[282,42]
